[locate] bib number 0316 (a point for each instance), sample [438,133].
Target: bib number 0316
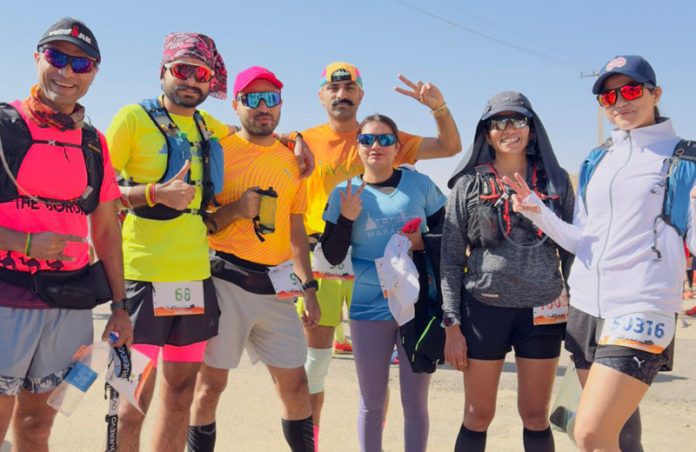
[648,331]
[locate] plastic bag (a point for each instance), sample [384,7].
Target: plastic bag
[565,406]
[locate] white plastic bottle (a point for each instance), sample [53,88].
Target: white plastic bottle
[91,361]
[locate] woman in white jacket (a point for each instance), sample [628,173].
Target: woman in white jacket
[626,281]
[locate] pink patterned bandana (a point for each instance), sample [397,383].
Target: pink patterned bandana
[196,45]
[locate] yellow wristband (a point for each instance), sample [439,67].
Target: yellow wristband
[147,196]
[27,245]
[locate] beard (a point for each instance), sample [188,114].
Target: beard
[260,130]
[184,100]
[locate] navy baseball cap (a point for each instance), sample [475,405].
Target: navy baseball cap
[75,32]
[507,101]
[634,66]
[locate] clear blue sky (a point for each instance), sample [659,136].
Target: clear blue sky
[536,47]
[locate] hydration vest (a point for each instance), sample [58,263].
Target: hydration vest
[493,207]
[178,151]
[679,181]
[18,136]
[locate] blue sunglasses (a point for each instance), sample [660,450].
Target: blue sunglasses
[385,139]
[253,100]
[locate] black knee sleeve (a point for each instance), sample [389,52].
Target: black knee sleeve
[538,440]
[470,441]
[299,434]
[201,438]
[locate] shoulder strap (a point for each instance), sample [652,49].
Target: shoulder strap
[680,180]
[160,117]
[686,150]
[490,190]
[588,168]
[94,161]
[15,141]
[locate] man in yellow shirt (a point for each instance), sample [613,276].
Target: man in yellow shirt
[258,232]
[170,162]
[336,159]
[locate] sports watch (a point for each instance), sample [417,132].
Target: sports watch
[313,284]
[449,321]
[118,304]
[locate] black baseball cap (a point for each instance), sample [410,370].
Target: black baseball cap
[75,32]
[507,101]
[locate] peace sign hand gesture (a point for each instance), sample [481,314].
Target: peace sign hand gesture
[522,191]
[351,204]
[425,93]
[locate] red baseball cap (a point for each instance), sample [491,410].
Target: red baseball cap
[247,76]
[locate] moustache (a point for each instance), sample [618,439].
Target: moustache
[187,87]
[342,101]
[263,115]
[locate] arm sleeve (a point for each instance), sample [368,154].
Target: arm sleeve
[566,235]
[567,214]
[435,220]
[335,240]
[453,250]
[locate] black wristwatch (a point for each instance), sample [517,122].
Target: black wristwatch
[313,284]
[118,304]
[449,321]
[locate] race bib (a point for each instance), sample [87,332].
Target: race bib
[378,265]
[648,331]
[321,269]
[285,281]
[177,298]
[554,312]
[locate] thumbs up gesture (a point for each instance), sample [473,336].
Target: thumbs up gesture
[176,193]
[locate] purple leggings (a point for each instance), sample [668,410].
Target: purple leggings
[373,344]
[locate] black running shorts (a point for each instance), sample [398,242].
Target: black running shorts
[492,331]
[172,330]
[582,334]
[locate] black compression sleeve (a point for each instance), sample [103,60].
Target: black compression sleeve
[336,240]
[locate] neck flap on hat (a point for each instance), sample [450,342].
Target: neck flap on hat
[539,148]
[199,46]
[46,116]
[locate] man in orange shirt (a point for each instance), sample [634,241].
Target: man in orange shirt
[257,232]
[336,159]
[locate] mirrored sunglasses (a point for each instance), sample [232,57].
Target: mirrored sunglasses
[58,59]
[385,139]
[253,100]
